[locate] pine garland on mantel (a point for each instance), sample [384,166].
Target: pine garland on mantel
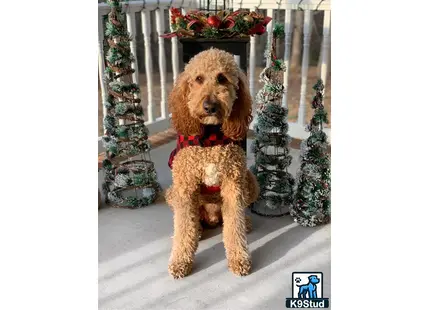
[223,24]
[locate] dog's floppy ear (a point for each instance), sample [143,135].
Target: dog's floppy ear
[182,120]
[236,126]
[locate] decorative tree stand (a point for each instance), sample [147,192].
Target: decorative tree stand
[224,29]
[236,46]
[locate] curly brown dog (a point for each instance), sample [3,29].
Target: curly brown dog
[211,110]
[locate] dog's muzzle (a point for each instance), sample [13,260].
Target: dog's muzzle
[210,107]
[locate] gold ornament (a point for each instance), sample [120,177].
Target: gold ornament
[248,18]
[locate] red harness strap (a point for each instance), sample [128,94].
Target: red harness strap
[212,135]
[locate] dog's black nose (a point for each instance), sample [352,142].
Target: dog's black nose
[209,107]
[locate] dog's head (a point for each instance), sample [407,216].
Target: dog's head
[212,90]
[314,279]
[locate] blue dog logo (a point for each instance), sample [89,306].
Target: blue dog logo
[309,290]
[309,295]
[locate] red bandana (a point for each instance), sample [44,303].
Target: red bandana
[212,135]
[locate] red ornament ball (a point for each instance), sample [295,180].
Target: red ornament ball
[214,21]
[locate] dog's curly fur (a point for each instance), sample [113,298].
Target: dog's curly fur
[211,76]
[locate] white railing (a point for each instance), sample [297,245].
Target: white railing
[157,123]
[296,129]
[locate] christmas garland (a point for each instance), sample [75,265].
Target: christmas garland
[223,24]
[148,195]
[124,148]
[132,173]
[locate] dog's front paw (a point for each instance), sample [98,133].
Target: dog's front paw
[180,269]
[240,266]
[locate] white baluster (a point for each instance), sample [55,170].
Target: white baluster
[175,53]
[146,29]
[269,30]
[325,46]
[288,28]
[305,63]
[159,19]
[252,51]
[131,27]
[237,59]
[102,67]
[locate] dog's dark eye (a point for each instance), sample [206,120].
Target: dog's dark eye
[199,79]
[221,79]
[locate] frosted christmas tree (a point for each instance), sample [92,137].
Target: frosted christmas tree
[130,176]
[271,144]
[312,197]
